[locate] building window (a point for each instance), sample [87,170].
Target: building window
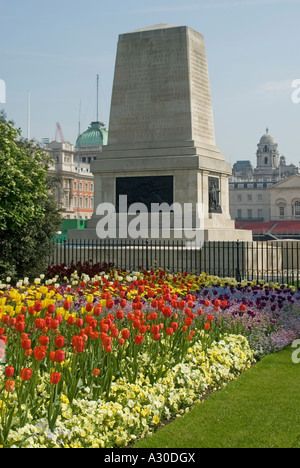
[297,208]
[86,203]
[80,202]
[92,202]
[80,186]
[239,214]
[260,214]
[75,185]
[75,202]
[281,211]
[259,197]
[249,197]
[239,198]
[266,160]
[86,187]
[266,149]
[249,214]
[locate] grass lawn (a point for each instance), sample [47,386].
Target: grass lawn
[260,409]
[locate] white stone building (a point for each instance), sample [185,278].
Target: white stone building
[259,196]
[72,168]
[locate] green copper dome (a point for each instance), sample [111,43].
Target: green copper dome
[96,135]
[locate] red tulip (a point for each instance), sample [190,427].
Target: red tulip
[10,385]
[71,320]
[120,314]
[39,353]
[125,334]
[167,312]
[98,310]
[59,355]
[138,339]
[40,323]
[59,341]
[55,378]
[54,324]
[20,327]
[106,341]
[109,304]
[155,329]
[67,305]
[26,344]
[89,307]
[44,340]
[188,321]
[38,306]
[26,374]
[115,333]
[51,309]
[79,322]
[9,371]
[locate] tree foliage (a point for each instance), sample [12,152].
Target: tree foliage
[29,215]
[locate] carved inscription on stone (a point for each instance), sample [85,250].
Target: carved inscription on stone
[161,88]
[202,114]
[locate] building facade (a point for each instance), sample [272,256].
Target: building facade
[254,194]
[72,171]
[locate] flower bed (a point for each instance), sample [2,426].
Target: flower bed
[101,361]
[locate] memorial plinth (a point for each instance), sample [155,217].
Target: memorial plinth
[161,144]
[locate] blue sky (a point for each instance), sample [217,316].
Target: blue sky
[55,50]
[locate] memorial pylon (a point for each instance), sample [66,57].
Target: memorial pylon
[161,145]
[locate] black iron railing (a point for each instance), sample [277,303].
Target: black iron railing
[268,261]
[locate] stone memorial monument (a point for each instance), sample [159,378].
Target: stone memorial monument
[161,145]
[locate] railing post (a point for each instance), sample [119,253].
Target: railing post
[65,250]
[238,271]
[147,254]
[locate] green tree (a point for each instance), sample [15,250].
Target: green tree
[29,215]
